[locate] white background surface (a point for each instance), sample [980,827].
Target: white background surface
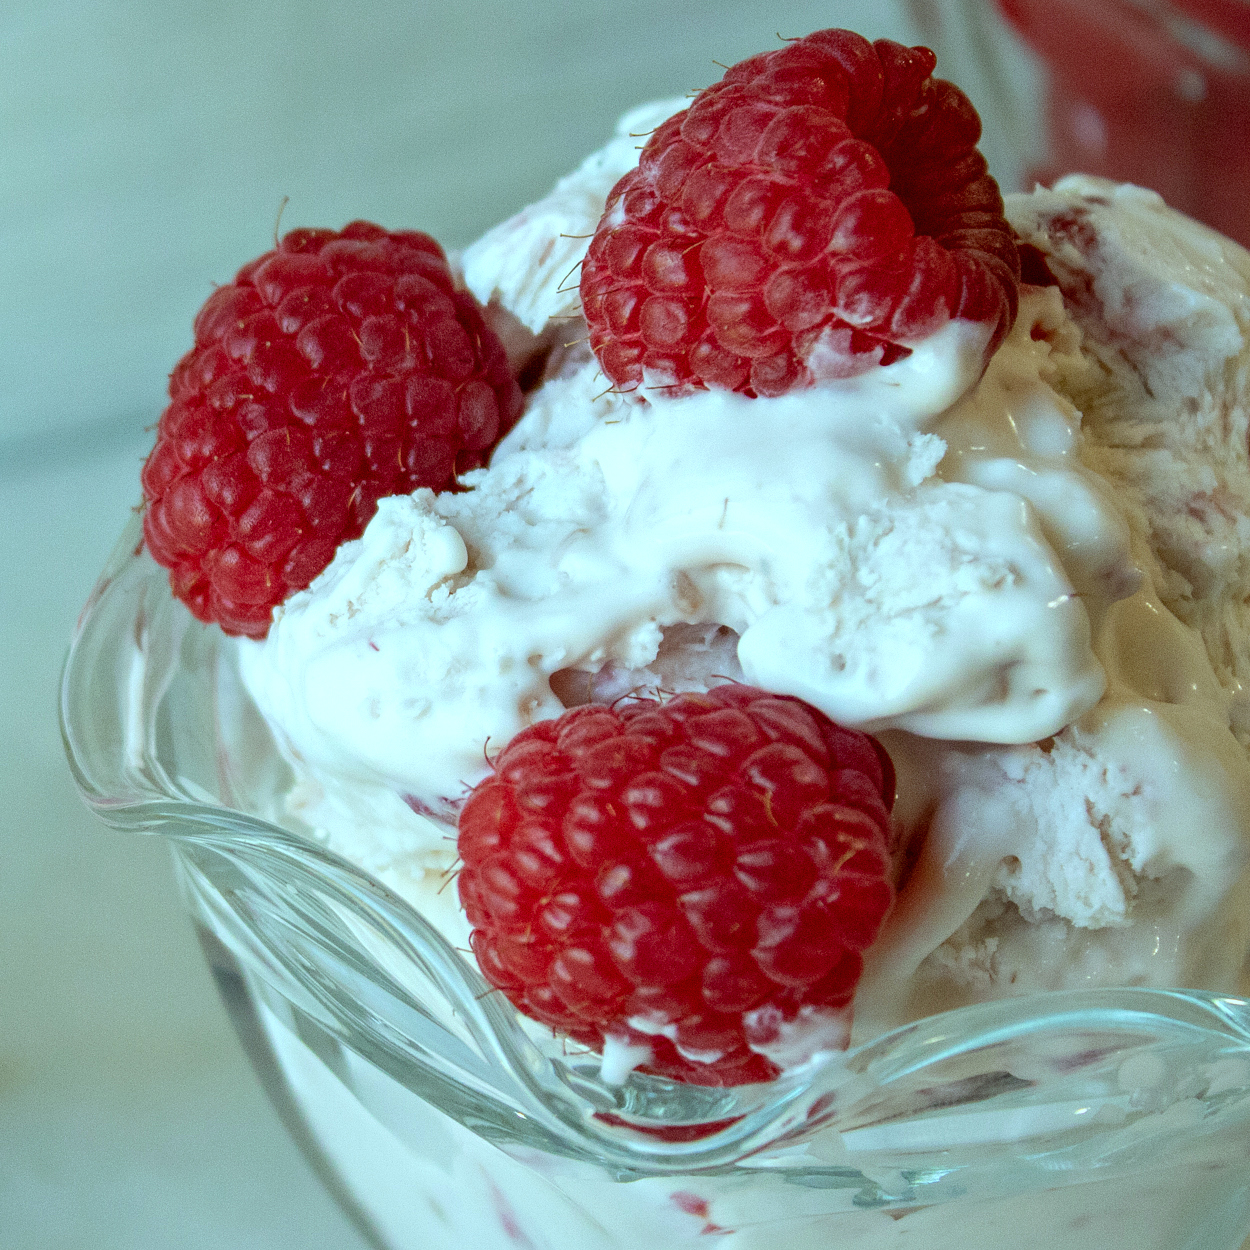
[145,149]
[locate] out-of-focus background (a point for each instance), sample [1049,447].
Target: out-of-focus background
[145,152]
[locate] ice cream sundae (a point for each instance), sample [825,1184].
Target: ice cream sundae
[768,592]
[800,432]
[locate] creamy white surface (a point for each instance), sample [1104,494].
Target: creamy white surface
[813,525]
[1117,854]
[949,564]
[529,263]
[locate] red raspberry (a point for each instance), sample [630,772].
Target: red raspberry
[335,369]
[708,866]
[808,217]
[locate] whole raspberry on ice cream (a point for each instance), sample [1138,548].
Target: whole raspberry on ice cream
[334,370]
[695,879]
[810,216]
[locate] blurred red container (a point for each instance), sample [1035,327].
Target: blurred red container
[1151,92]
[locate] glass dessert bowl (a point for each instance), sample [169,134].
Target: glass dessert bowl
[965,473]
[439,1117]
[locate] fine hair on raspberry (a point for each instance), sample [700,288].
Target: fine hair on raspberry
[687,877]
[340,367]
[815,214]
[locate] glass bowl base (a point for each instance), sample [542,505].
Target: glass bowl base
[412,1178]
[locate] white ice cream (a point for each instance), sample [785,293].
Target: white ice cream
[1031,584]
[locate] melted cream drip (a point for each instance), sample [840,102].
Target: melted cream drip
[1163,723]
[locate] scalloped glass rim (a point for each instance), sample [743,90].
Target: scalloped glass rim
[161,739]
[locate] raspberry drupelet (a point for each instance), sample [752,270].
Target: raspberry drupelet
[693,877]
[814,214]
[336,369]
